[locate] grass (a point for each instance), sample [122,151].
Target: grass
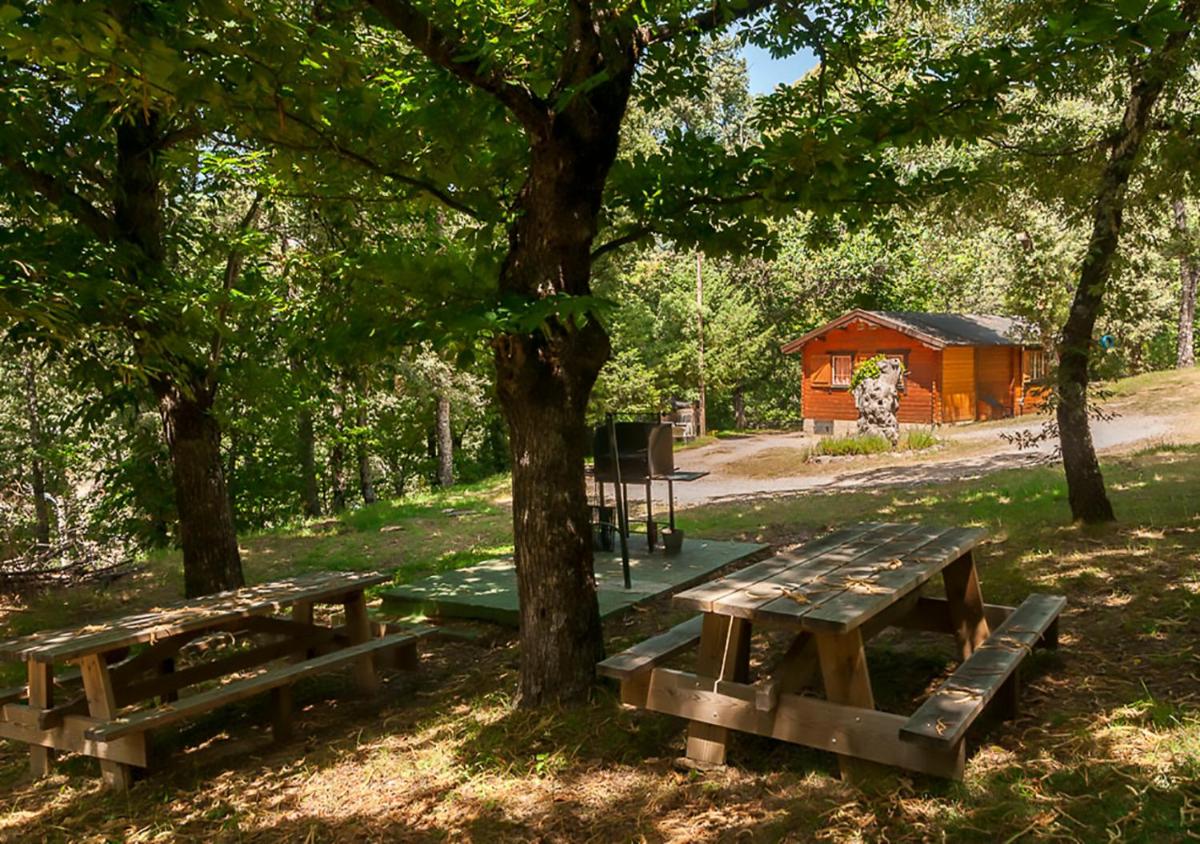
[1108,747]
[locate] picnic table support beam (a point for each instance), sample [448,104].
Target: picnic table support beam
[358,626]
[844,671]
[102,705]
[724,655]
[968,617]
[41,696]
[281,713]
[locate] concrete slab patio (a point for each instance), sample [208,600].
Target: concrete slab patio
[488,591]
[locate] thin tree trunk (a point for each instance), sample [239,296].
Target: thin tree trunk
[1189,276]
[337,451]
[1085,484]
[211,561]
[739,408]
[363,454]
[37,468]
[702,405]
[306,440]
[445,443]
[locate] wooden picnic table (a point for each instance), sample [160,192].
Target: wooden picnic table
[833,595]
[103,706]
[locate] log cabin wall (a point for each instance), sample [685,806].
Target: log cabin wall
[822,399]
[996,382]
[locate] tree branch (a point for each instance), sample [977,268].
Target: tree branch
[445,50]
[371,164]
[233,270]
[631,236]
[57,192]
[710,20]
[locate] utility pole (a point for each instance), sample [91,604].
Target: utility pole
[702,420]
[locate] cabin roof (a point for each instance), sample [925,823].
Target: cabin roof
[936,330]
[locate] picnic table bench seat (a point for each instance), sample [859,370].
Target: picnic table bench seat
[943,719]
[633,665]
[232,692]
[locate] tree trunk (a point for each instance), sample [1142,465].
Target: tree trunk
[702,403]
[37,467]
[363,454]
[337,452]
[307,441]
[445,443]
[1085,484]
[211,561]
[1189,276]
[543,380]
[739,408]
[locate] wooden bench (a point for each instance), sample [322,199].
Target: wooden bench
[273,680]
[943,719]
[633,665]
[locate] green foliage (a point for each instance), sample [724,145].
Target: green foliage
[917,439]
[852,444]
[868,369]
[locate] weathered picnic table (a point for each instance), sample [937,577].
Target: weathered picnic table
[834,594]
[104,706]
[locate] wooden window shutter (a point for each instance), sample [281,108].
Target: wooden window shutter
[823,373]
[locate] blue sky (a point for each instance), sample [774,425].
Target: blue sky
[767,72]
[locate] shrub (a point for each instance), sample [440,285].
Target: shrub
[916,439]
[852,444]
[869,368]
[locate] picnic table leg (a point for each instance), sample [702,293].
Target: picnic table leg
[965,602]
[302,613]
[102,705]
[844,672]
[724,655]
[41,696]
[358,625]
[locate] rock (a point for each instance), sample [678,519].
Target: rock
[878,400]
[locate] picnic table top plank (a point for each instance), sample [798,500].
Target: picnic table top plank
[703,596]
[860,602]
[185,616]
[837,583]
[793,584]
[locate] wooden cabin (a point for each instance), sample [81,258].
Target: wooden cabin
[958,367]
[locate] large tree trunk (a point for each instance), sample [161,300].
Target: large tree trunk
[37,467]
[1085,485]
[1189,276]
[543,381]
[739,408]
[211,562]
[362,453]
[445,443]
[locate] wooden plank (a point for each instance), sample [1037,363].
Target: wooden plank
[70,737]
[102,705]
[215,669]
[41,698]
[806,598]
[187,707]
[358,627]
[646,654]
[281,713]
[965,602]
[807,577]
[797,669]
[945,716]
[871,591]
[703,596]
[862,733]
[723,655]
[180,617]
[932,614]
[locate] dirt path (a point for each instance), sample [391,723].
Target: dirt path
[773,464]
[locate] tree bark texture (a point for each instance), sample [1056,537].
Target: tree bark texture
[1085,484]
[739,408]
[363,455]
[306,441]
[37,445]
[544,380]
[337,454]
[211,561]
[1189,277]
[445,443]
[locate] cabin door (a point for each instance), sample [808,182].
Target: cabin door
[958,384]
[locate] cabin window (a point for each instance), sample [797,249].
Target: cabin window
[1035,364]
[842,366]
